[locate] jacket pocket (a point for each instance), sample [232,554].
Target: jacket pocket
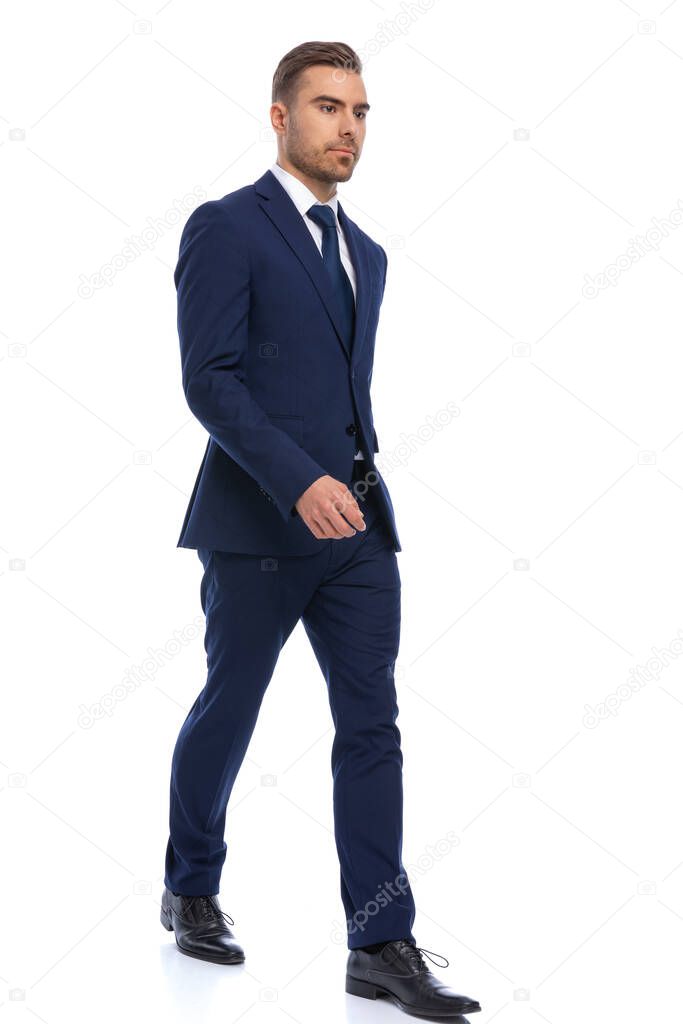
[292,425]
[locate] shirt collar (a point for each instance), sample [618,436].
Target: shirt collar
[300,194]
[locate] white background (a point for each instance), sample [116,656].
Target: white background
[512,149]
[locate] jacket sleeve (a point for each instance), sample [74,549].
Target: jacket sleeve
[212,279]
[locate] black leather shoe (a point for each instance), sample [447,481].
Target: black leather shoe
[399,972]
[200,928]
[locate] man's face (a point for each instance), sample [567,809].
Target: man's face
[325,127]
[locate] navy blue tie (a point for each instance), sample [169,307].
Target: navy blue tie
[324,216]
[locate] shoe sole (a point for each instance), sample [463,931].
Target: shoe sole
[232,958]
[356,987]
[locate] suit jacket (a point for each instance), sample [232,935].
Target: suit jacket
[267,373]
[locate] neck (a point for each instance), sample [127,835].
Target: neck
[322,190]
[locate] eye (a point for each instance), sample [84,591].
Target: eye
[362,114]
[329,106]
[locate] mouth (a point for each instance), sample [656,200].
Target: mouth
[342,149]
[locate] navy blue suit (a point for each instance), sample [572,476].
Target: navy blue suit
[267,371]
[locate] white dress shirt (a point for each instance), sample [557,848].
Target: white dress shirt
[303,199]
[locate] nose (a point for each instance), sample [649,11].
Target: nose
[348,138]
[350,128]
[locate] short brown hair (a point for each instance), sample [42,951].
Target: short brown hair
[305,55]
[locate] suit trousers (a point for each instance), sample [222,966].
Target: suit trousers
[348,597]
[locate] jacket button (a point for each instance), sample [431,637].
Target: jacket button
[351,429]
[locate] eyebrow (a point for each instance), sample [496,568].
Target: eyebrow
[340,103]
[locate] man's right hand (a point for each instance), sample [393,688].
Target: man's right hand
[326,506]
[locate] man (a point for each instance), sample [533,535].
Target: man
[278,301]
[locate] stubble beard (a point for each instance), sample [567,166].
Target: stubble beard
[317,164]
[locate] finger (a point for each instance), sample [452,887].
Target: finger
[315,528]
[338,525]
[351,511]
[355,517]
[324,530]
[345,502]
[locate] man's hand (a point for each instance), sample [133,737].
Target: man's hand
[326,506]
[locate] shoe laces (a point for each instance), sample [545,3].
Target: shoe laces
[415,957]
[208,910]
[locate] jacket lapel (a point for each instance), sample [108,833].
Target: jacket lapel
[279,208]
[359,258]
